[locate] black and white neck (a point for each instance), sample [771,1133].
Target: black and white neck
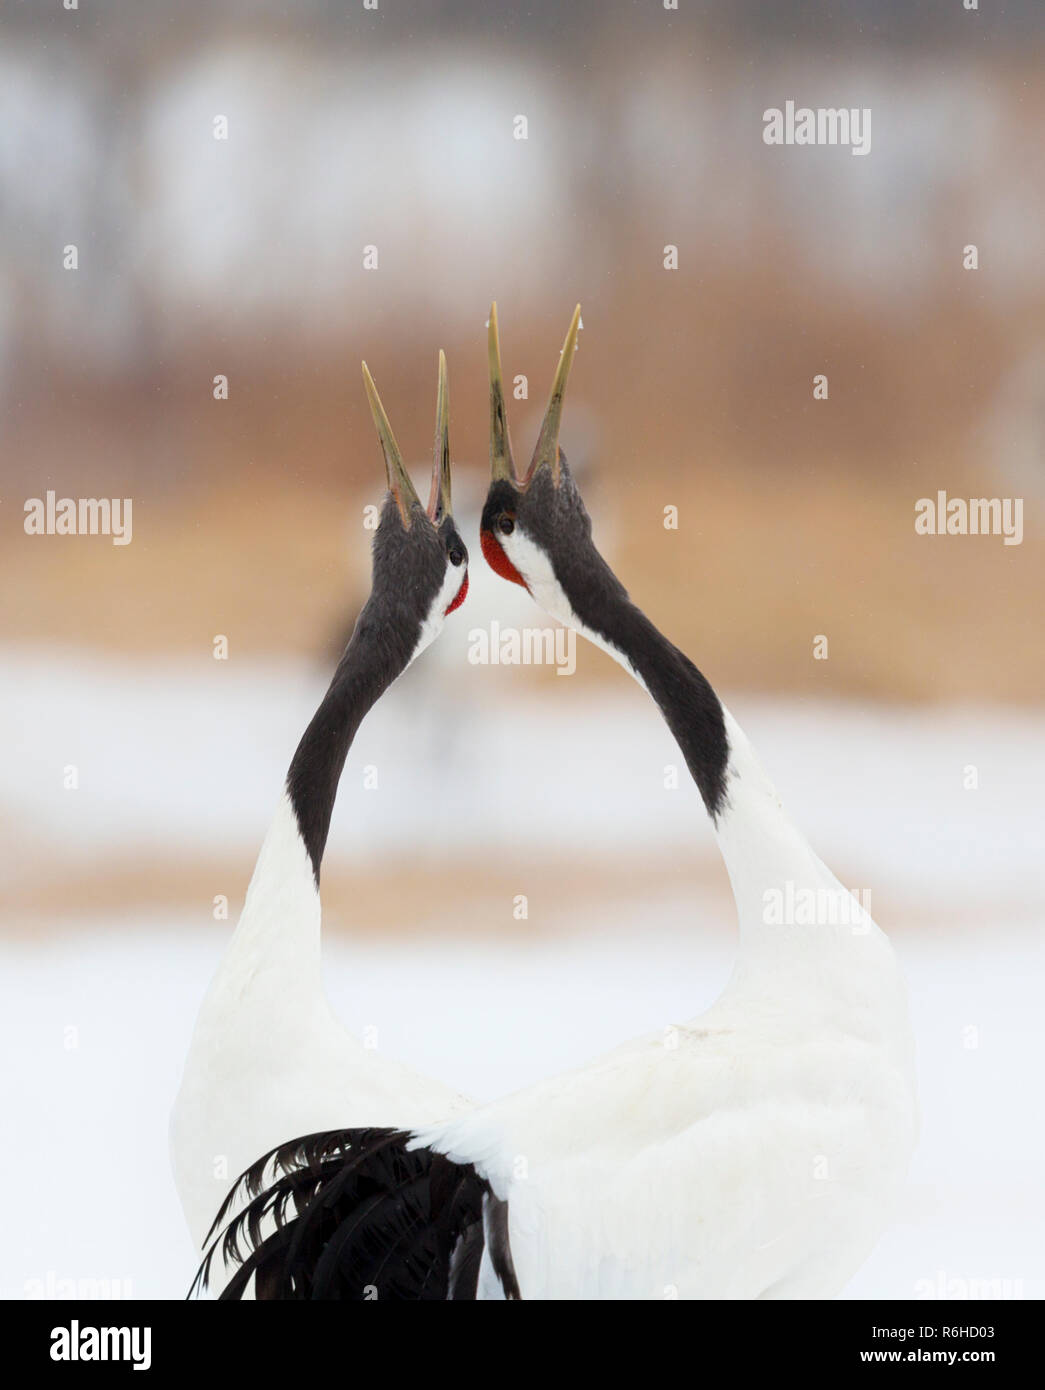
[414,589]
[762,848]
[382,646]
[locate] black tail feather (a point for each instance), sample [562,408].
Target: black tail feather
[355,1214]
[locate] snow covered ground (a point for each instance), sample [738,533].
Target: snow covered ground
[95,1015]
[95,1029]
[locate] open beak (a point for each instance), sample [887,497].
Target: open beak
[502,465]
[439,504]
[399,484]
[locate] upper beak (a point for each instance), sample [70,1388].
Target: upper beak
[399,483]
[502,465]
[547,450]
[439,503]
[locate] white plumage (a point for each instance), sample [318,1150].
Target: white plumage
[268,1058]
[752,1152]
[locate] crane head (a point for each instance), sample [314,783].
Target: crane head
[420,562]
[535,529]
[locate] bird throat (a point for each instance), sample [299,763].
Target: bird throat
[494,554]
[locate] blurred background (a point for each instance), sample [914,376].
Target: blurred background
[244,257]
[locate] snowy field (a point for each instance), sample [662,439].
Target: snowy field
[89,1156]
[95,1015]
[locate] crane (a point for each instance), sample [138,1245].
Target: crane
[268,1057]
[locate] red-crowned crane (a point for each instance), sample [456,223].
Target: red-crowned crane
[268,1057]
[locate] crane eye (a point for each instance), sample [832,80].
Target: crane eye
[506,525]
[456,557]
